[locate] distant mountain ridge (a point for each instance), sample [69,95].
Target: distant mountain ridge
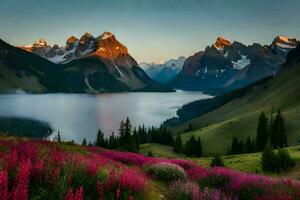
[236,113]
[164,72]
[224,66]
[105,46]
[85,65]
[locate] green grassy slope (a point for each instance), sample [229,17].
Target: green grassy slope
[242,162]
[158,150]
[239,117]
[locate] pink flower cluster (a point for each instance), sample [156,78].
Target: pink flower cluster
[235,182]
[77,195]
[32,164]
[139,160]
[190,190]
[29,167]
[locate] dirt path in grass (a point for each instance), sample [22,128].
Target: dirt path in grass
[157,190]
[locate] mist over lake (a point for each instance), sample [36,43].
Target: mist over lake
[79,116]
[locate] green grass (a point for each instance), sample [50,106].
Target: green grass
[158,150]
[239,117]
[72,148]
[242,162]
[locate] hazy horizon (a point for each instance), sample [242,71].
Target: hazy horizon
[153,31]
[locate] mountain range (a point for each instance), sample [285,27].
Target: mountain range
[236,113]
[224,66]
[163,72]
[85,65]
[102,64]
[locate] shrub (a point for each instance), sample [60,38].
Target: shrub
[166,172]
[150,154]
[269,160]
[217,162]
[285,162]
[279,162]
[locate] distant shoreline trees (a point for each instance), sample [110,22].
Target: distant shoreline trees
[130,139]
[127,140]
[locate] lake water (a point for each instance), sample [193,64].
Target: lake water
[78,115]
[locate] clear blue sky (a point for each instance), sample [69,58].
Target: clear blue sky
[153,30]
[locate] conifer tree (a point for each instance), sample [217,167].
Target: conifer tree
[113,141]
[269,159]
[282,140]
[122,133]
[58,136]
[100,141]
[261,133]
[190,127]
[177,146]
[235,147]
[241,147]
[84,143]
[278,136]
[248,145]
[190,146]
[199,148]
[136,138]
[169,138]
[127,127]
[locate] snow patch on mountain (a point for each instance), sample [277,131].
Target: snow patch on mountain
[106,35]
[165,71]
[242,63]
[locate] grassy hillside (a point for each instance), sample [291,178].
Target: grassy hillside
[158,150]
[239,117]
[243,162]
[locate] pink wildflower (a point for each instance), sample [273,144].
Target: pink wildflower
[20,191]
[4,185]
[77,195]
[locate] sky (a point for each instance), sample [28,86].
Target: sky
[152,30]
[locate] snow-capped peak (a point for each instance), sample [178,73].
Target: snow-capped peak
[106,35]
[41,42]
[105,46]
[284,42]
[221,43]
[283,38]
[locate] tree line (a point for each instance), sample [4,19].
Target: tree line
[129,139]
[272,132]
[192,148]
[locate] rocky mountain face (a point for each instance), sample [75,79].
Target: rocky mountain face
[285,82]
[85,65]
[105,48]
[164,72]
[224,66]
